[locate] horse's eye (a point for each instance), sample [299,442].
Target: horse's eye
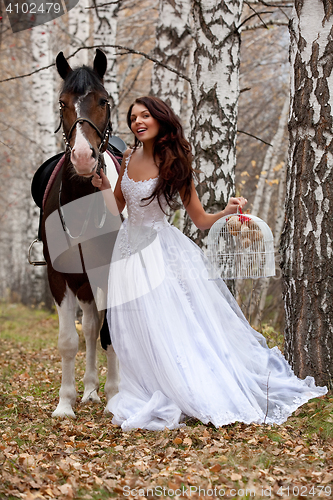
[103,102]
[62,104]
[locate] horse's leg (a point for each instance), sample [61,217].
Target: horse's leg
[90,327]
[111,384]
[68,344]
[112,378]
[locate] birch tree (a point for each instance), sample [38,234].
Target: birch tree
[42,104]
[79,29]
[173,48]
[105,32]
[43,89]
[215,92]
[308,231]
[29,139]
[263,105]
[263,206]
[135,29]
[261,202]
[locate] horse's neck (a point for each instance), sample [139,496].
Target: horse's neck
[73,186]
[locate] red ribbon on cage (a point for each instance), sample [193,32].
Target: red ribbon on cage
[242,217]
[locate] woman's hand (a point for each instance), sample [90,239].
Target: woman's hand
[101,181]
[203,220]
[103,184]
[233,203]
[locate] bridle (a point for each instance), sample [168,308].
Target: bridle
[104,136]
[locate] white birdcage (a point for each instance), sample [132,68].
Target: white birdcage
[240,246]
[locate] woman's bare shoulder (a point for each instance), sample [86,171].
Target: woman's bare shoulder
[125,157]
[127,152]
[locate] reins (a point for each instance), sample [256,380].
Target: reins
[98,225]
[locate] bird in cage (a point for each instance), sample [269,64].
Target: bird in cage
[240,246]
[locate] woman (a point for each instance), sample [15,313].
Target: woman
[183,345]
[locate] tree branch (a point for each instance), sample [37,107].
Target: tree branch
[269,23]
[18,131]
[258,14]
[255,137]
[252,15]
[277,4]
[7,146]
[103,4]
[127,50]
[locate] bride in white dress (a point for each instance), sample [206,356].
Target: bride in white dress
[183,344]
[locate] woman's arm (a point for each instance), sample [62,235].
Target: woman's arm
[198,215]
[114,200]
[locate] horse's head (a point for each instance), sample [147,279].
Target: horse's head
[85,112]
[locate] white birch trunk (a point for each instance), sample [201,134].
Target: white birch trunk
[105,31]
[308,232]
[266,282]
[263,194]
[174,44]
[43,103]
[43,89]
[173,47]
[79,30]
[262,205]
[215,92]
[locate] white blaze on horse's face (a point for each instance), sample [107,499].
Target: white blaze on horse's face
[82,155]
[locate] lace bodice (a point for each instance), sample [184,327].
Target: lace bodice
[139,212]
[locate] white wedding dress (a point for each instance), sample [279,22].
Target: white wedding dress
[183,344]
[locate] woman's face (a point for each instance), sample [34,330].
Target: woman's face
[143,125]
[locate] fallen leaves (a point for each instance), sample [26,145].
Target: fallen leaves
[177,440]
[90,458]
[187,441]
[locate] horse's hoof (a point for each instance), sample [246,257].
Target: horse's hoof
[91,397]
[64,412]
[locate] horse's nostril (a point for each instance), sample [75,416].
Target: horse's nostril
[93,153]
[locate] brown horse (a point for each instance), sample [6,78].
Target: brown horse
[85,117]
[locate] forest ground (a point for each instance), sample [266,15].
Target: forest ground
[90,458]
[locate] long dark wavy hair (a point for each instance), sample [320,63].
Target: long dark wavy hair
[172,151]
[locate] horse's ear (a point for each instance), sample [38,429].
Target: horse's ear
[100,63]
[62,66]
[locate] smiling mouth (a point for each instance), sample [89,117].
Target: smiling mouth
[141,130]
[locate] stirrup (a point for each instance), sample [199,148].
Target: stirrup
[35,262]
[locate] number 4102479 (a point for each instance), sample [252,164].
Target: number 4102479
[32,8]
[305,491]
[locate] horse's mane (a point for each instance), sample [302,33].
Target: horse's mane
[81,79]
